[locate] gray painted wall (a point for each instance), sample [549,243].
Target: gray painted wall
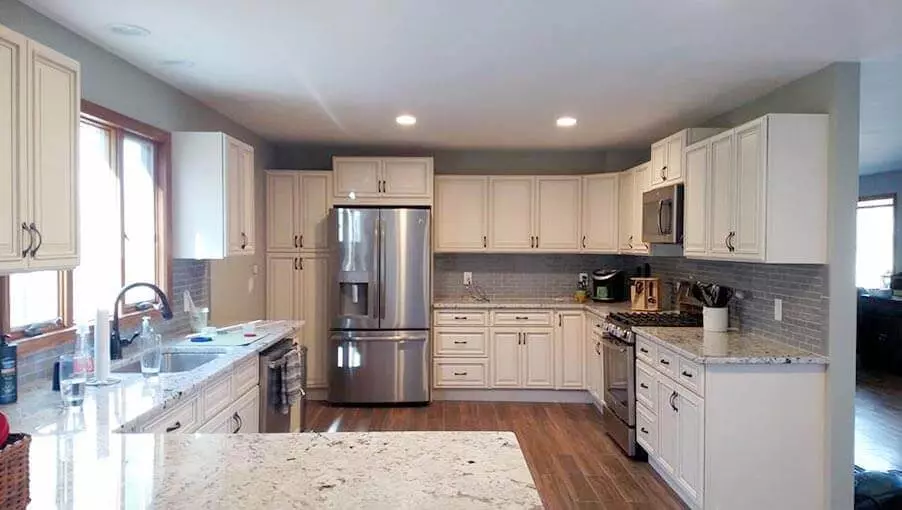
[835,90]
[115,84]
[880,184]
[464,161]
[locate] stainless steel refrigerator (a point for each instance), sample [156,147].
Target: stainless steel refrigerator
[379,348]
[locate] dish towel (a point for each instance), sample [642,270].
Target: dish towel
[292,387]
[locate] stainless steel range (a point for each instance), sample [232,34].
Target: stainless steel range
[619,343]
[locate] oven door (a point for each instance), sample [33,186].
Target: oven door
[620,378]
[662,212]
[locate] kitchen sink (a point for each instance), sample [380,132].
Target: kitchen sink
[173,362]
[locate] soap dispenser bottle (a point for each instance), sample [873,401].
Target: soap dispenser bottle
[9,391]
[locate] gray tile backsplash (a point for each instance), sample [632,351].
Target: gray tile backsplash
[803,288]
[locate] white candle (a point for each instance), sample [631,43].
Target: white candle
[102,345]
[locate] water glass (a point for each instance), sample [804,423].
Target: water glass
[151,355]
[73,376]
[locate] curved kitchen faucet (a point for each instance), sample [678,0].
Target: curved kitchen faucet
[116,342]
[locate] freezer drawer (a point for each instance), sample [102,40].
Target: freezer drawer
[379,367]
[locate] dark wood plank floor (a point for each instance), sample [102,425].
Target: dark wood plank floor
[574,463]
[878,421]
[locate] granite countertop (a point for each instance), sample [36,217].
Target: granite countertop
[734,347]
[128,405]
[557,303]
[280,471]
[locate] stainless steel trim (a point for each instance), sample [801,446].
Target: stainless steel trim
[382,256]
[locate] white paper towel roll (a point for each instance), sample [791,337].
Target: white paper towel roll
[102,345]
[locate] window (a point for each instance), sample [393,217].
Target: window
[122,178]
[874,249]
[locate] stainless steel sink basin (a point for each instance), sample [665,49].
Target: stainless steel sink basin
[173,362]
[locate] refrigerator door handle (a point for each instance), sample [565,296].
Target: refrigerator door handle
[374,284]
[381,267]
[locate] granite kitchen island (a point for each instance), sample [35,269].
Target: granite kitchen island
[281,471]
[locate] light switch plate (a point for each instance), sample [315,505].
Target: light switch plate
[468,278]
[778,309]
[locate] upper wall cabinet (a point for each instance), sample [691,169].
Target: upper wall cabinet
[212,196]
[632,183]
[297,210]
[39,118]
[759,192]
[461,213]
[382,181]
[534,214]
[666,166]
[600,213]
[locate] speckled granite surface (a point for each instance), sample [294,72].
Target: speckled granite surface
[127,406]
[708,347]
[563,303]
[390,470]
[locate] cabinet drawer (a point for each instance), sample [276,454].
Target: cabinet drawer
[692,376]
[217,396]
[460,318]
[461,342]
[646,387]
[245,376]
[461,373]
[667,362]
[519,318]
[646,429]
[183,418]
[646,351]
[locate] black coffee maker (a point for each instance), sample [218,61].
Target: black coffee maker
[608,285]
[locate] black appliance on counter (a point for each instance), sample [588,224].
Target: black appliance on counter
[608,285]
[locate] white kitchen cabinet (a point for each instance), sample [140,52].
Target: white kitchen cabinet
[212,196]
[297,287]
[557,226]
[640,184]
[667,156]
[297,210]
[522,358]
[506,356]
[668,450]
[511,214]
[690,470]
[594,361]
[242,416]
[461,213]
[569,344]
[600,213]
[382,181]
[538,358]
[767,192]
[695,203]
[627,186]
[38,156]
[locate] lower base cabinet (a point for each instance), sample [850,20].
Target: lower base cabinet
[243,416]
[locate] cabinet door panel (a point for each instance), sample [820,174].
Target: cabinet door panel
[600,213]
[234,198]
[538,367]
[13,182]
[627,187]
[749,205]
[54,116]
[558,214]
[247,410]
[695,220]
[675,146]
[461,213]
[690,472]
[722,189]
[668,427]
[281,287]
[281,216]
[358,175]
[407,177]
[314,194]
[511,213]
[505,357]
[248,199]
[658,171]
[570,345]
[640,186]
[314,311]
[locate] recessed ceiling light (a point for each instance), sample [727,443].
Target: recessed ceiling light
[406,120]
[128,30]
[176,63]
[566,121]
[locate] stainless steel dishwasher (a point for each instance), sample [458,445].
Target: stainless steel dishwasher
[271,417]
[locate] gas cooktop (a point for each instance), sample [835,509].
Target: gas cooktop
[659,319]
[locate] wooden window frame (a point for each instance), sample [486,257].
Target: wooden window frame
[162,140]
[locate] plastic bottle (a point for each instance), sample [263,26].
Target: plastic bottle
[151,347]
[84,347]
[9,391]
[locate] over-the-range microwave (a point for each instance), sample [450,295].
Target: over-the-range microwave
[662,215]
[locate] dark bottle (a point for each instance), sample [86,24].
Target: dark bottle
[8,383]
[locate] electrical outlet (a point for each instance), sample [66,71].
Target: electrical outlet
[583,278]
[468,278]
[778,309]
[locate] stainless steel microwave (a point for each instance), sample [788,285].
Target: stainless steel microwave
[662,215]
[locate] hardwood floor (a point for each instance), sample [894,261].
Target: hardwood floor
[574,463]
[878,421]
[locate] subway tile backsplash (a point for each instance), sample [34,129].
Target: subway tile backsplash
[803,288]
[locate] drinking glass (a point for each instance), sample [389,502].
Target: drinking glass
[152,355]
[73,376]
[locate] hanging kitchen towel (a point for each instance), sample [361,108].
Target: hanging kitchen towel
[293,375]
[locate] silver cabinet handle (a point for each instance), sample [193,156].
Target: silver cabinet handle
[537,241]
[459,318]
[673,400]
[730,237]
[726,240]
[664,173]
[460,342]
[37,247]
[460,373]
[302,240]
[301,260]
[485,243]
[584,241]
[30,239]
[295,263]
[239,422]
[521,318]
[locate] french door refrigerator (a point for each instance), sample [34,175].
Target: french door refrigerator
[379,348]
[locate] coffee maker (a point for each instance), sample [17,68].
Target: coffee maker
[608,285]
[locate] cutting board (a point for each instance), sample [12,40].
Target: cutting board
[232,338]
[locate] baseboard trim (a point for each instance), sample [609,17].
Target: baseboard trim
[316,394]
[672,483]
[552,396]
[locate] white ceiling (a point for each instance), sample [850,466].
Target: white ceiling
[480,73]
